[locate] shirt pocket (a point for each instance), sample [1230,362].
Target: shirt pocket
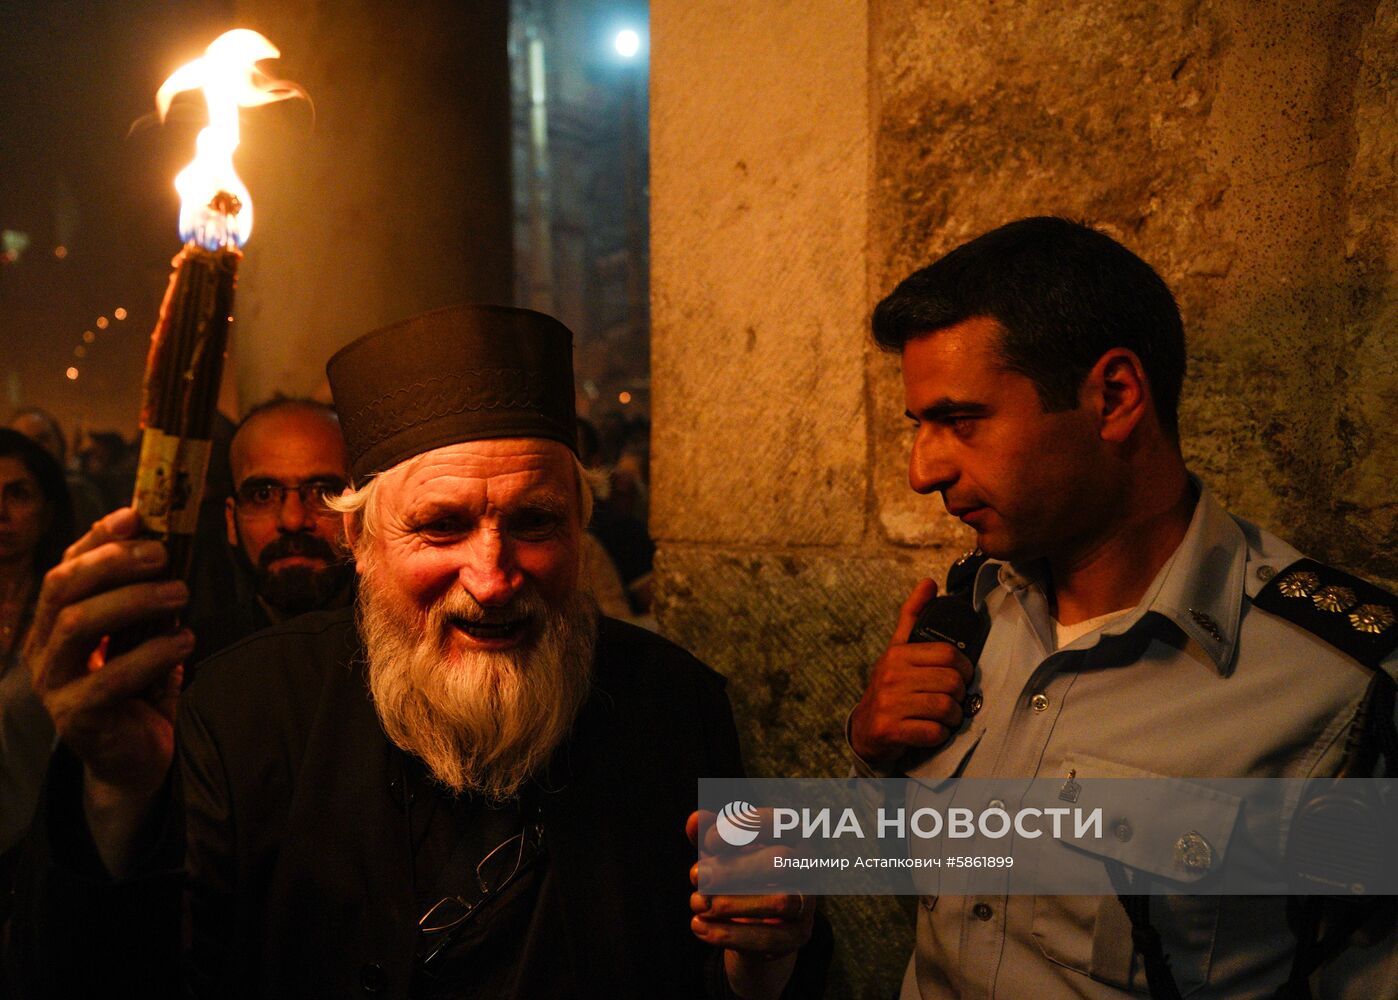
[1172,831]
[946,763]
[948,760]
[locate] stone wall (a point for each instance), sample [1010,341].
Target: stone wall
[807,155]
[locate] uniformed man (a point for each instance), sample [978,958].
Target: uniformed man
[1136,627]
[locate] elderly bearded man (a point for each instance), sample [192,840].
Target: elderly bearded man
[471,788]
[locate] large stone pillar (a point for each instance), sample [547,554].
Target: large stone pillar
[395,199]
[807,156]
[760,203]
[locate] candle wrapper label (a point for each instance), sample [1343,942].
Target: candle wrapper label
[170,482]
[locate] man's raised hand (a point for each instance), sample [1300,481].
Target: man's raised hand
[913,700]
[116,715]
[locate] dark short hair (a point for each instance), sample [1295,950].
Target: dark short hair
[1062,293]
[280,402]
[49,475]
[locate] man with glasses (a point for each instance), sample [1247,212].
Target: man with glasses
[470,785]
[287,458]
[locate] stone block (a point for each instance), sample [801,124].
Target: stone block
[758,229]
[795,632]
[974,129]
[1249,158]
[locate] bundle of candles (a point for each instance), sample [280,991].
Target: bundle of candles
[183,373]
[184,369]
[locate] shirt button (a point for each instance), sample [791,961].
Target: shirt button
[1193,853]
[1040,702]
[974,701]
[982,911]
[1265,573]
[373,978]
[996,803]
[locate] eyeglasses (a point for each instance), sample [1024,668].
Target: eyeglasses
[266,496]
[444,921]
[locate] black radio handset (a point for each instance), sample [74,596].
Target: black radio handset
[952,619]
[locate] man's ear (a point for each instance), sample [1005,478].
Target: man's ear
[1118,394]
[229,515]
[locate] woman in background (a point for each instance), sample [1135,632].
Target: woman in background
[36,524]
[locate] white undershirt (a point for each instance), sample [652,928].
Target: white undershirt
[1065,634]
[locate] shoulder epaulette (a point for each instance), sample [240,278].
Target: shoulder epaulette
[961,578]
[1351,614]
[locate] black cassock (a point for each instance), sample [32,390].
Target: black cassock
[308,856]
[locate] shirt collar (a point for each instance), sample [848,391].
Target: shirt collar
[1199,589]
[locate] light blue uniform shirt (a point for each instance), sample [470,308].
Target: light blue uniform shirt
[1193,682]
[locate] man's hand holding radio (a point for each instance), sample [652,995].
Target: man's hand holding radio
[913,699]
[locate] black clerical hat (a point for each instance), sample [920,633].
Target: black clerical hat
[463,373]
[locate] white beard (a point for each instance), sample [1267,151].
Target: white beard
[484,721]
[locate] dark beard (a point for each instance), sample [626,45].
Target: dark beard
[483,721]
[294,590]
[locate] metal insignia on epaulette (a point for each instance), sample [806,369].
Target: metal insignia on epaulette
[1302,583]
[1371,618]
[1334,598]
[1351,614]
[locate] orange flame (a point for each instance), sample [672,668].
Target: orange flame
[215,208]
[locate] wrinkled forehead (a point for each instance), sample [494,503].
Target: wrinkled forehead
[494,471]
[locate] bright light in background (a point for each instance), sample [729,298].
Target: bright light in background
[72,374]
[89,336]
[120,313]
[623,398]
[627,43]
[12,244]
[101,322]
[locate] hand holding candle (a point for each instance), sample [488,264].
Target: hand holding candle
[103,650]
